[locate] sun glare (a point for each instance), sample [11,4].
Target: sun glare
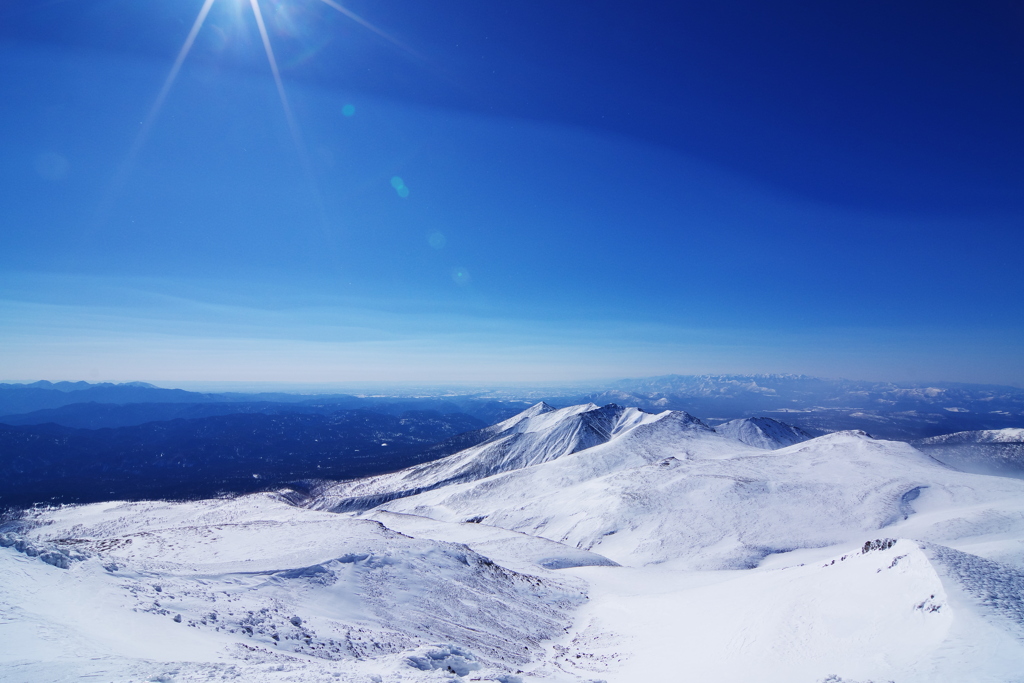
[257,12]
[124,171]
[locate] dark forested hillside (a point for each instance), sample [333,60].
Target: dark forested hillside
[204,457]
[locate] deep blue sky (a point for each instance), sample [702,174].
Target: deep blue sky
[586,190]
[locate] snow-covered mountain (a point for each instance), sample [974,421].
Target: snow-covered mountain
[567,546]
[667,488]
[538,435]
[993,451]
[647,499]
[763,432]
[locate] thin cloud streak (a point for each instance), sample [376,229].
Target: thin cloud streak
[189,340]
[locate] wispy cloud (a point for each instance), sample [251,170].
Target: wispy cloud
[153,329]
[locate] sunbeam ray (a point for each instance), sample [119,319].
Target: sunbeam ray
[122,173]
[273,68]
[292,125]
[367,25]
[176,67]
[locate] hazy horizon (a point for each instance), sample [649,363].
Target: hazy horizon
[468,387]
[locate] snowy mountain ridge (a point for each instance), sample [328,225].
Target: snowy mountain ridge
[624,499]
[1008,435]
[538,435]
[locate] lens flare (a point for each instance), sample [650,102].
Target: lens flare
[400,187]
[186,48]
[461,277]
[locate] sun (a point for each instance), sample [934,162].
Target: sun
[268,48]
[123,172]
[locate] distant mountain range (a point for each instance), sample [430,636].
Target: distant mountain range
[93,406]
[885,409]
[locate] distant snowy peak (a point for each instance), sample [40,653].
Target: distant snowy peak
[537,435]
[984,436]
[763,432]
[542,433]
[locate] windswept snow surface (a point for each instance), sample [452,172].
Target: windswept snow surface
[763,432]
[508,548]
[255,589]
[575,545]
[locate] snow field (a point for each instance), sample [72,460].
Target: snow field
[879,616]
[254,578]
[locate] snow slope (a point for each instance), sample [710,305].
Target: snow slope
[909,612]
[992,451]
[406,609]
[763,432]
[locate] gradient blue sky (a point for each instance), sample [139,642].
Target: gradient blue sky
[591,190]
